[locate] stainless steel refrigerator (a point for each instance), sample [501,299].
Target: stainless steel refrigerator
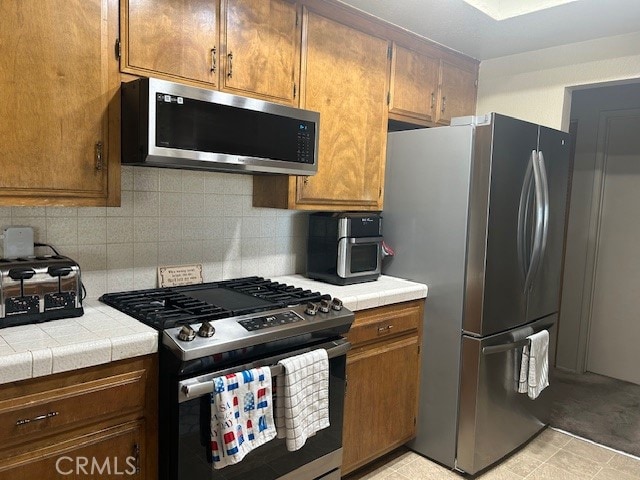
[476,211]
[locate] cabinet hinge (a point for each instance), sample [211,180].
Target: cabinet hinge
[418,349]
[118,49]
[389,52]
[295,90]
[99,159]
[414,421]
[388,98]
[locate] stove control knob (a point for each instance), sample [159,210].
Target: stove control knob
[312,308]
[206,330]
[336,304]
[325,305]
[186,334]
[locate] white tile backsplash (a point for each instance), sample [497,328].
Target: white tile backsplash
[170,217]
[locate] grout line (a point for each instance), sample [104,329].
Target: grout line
[595,443]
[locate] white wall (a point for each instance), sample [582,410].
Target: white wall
[535,86]
[171,217]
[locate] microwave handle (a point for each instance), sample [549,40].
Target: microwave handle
[360,240]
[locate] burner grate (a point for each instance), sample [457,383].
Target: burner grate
[167,307]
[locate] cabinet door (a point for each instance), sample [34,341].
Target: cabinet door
[414,84]
[457,92]
[174,39]
[346,81]
[110,453]
[57,78]
[261,49]
[381,401]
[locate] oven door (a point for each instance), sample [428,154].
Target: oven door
[359,256]
[321,455]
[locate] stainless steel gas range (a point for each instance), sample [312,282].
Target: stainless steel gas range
[214,329]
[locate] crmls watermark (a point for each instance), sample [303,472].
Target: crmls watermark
[94,466]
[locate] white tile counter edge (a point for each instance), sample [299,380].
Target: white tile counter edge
[101,335]
[385,290]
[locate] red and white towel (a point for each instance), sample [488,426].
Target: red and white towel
[241,415]
[302,400]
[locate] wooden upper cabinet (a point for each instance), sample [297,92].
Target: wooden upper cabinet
[346,81]
[171,39]
[344,74]
[58,79]
[414,85]
[260,54]
[457,92]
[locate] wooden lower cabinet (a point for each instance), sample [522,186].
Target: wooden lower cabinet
[113,452]
[383,369]
[94,423]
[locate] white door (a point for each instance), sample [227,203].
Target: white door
[614,336]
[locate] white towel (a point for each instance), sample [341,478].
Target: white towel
[534,369]
[241,415]
[302,398]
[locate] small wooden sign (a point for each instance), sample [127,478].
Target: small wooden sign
[177,275]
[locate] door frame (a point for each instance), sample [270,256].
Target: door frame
[594,231]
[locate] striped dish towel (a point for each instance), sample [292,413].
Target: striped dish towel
[241,415]
[534,369]
[302,399]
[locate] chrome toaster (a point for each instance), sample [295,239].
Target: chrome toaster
[37,289]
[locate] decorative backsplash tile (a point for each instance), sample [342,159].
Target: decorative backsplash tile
[170,217]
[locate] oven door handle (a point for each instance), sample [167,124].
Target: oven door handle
[203,385]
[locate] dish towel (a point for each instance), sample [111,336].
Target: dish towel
[302,397]
[241,415]
[534,368]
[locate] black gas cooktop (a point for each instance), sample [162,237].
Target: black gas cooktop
[164,308]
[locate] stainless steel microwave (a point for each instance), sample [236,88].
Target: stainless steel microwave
[344,248]
[167,124]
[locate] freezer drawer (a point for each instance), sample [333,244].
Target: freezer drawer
[494,418]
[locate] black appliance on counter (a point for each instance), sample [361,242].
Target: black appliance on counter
[37,289]
[214,329]
[344,248]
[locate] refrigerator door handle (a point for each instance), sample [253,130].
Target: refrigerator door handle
[523,214]
[505,347]
[545,190]
[538,326]
[536,251]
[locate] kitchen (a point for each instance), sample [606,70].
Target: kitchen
[169,217]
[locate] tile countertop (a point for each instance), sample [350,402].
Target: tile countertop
[104,334]
[360,296]
[101,335]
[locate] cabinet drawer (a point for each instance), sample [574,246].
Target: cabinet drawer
[46,412]
[379,323]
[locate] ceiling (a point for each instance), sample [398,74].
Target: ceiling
[458,25]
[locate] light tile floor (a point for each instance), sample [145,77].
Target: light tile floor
[552,455]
